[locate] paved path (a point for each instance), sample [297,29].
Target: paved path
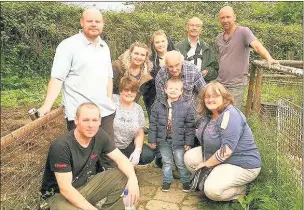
[153,198]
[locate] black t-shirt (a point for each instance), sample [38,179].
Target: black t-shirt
[67,155]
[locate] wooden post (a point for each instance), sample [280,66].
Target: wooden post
[250,90]
[258,87]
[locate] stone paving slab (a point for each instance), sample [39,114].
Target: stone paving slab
[161,205]
[153,198]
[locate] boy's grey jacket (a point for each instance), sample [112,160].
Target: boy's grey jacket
[183,123]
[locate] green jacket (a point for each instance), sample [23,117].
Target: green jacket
[209,60]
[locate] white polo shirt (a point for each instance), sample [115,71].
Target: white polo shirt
[84,69]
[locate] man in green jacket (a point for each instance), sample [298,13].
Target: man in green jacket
[195,50]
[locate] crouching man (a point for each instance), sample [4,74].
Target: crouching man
[70,180]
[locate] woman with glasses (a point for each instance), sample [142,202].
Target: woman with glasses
[227,145]
[129,123]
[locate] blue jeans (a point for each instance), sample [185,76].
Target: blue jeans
[168,154]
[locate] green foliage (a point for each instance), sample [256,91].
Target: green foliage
[30,33]
[32,30]
[284,12]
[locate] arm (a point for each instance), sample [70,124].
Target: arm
[127,168]
[217,158]
[110,88]
[262,51]
[153,125]
[64,181]
[190,126]
[53,91]
[138,141]
[199,82]
[210,72]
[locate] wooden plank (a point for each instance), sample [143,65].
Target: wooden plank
[292,63]
[279,76]
[28,128]
[279,68]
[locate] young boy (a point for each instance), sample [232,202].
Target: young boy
[172,129]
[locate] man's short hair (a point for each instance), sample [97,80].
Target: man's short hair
[88,105]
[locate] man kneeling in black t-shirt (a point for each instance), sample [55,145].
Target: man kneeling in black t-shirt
[70,180]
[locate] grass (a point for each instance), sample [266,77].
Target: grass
[16,92]
[272,90]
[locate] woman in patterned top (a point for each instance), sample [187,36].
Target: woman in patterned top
[129,123]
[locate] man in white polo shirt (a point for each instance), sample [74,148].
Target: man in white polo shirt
[82,68]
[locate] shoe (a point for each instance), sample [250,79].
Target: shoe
[166,187]
[186,187]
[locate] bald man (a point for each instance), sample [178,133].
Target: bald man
[194,49]
[82,68]
[176,67]
[234,48]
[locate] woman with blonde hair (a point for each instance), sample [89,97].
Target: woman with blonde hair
[133,62]
[227,146]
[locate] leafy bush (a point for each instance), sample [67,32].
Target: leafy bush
[30,31]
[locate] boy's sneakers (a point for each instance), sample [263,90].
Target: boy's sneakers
[186,187]
[166,187]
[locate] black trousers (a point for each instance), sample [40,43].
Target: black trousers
[107,125]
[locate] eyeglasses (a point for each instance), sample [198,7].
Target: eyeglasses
[128,90]
[195,25]
[213,96]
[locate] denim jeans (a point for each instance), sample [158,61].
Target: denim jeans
[168,154]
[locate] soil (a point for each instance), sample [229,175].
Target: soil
[23,160]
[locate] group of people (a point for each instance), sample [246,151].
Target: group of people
[189,95]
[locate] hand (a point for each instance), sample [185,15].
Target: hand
[204,72]
[271,61]
[153,146]
[187,147]
[133,188]
[134,157]
[43,110]
[201,165]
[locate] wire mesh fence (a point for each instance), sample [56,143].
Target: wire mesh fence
[290,137]
[23,155]
[281,113]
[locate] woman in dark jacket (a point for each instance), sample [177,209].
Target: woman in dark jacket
[160,45]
